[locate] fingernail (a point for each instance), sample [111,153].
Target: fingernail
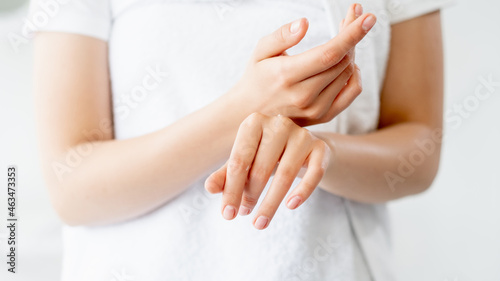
[369,22]
[244,211]
[358,10]
[261,222]
[294,28]
[229,212]
[294,202]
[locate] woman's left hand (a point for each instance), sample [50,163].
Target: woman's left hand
[263,144]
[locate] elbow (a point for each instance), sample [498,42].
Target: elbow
[65,209]
[68,204]
[70,193]
[428,179]
[68,219]
[425,157]
[417,168]
[427,174]
[76,206]
[431,148]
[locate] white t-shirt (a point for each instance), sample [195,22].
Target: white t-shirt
[190,53]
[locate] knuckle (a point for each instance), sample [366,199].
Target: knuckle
[349,56]
[281,73]
[308,187]
[320,145]
[285,176]
[253,119]
[236,166]
[283,124]
[280,35]
[303,135]
[314,113]
[230,195]
[256,116]
[287,122]
[329,57]
[259,175]
[300,100]
[324,150]
[249,200]
[352,38]
[344,63]
[350,69]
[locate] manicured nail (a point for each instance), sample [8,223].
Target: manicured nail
[369,22]
[294,202]
[229,212]
[358,10]
[294,28]
[261,222]
[244,211]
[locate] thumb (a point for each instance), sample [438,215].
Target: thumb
[281,40]
[216,181]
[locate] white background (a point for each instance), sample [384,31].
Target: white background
[450,233]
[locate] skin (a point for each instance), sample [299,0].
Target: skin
[105,189]
[262,141]
[354,167]
[74,99]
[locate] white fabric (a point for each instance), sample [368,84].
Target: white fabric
[401,10]
[190,52]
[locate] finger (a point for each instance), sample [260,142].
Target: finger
[325,100]
[341,26]
[292,160]
[238,165]
[354,11]
[281,40]
[329,54]
[270,149]
[346,96]
[215,182]
[320,81]
[317,162]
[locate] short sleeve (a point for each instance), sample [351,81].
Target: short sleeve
[86,17]
[401,10]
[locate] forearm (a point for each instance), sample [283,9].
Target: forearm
[390,163]
[121,179]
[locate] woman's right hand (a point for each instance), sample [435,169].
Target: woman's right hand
[312,87]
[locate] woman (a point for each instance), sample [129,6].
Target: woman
[139,101]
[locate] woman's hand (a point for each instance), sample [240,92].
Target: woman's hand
[311,87]
[262,144]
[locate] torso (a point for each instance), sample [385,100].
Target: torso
[204,47]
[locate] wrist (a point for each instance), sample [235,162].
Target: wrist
[330,141]
[246,100]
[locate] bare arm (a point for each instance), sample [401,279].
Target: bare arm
[402,157]
[117,179]
[122,179]
[399,159]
